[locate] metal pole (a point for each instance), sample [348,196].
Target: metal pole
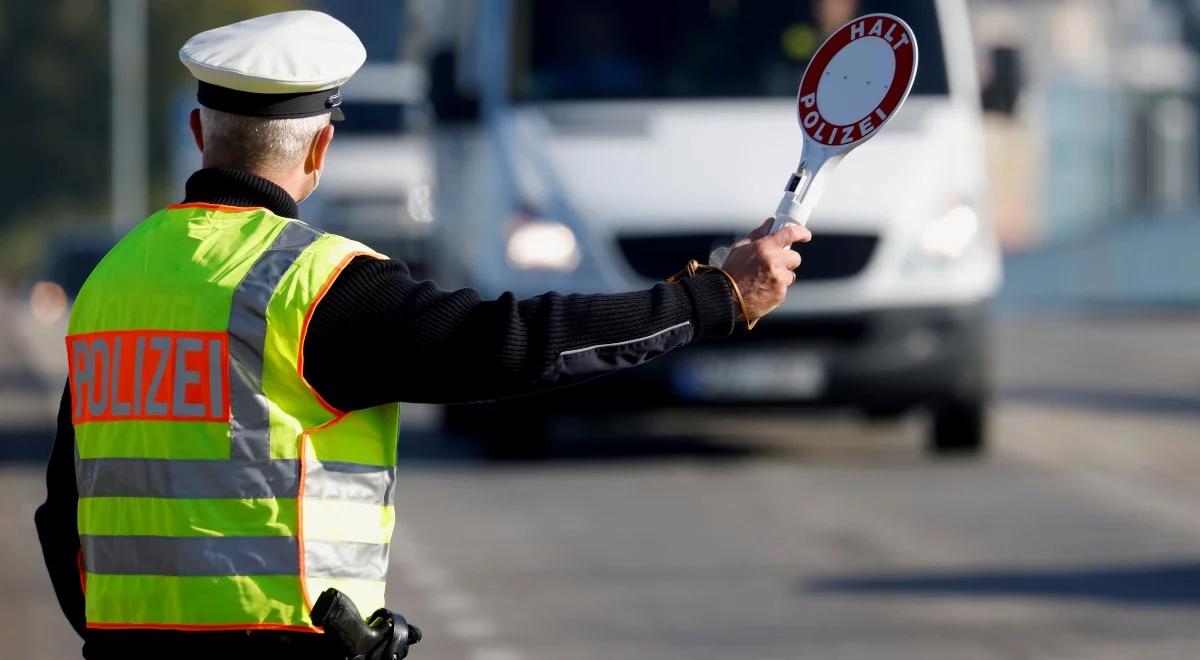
[128,166]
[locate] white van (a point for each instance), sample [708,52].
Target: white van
[599,145]
[380,185]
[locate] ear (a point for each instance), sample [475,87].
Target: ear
[197,133]
[316,157]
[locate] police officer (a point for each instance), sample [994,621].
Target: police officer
[226,442]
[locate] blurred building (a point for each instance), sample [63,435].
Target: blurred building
[1104,131]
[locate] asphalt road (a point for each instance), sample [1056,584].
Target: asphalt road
[796,537]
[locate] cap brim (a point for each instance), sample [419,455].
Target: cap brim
[336,115]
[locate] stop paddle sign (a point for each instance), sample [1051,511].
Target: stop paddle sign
[854,84]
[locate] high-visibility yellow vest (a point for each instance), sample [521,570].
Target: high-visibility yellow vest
[217,490]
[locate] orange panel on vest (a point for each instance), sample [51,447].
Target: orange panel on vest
[149,374]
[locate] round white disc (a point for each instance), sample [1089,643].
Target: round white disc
[856,80]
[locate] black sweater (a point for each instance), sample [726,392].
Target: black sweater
[418,341]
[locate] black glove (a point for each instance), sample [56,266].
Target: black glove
[386,636]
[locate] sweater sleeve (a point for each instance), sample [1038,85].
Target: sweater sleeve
[379,336]
[56,519]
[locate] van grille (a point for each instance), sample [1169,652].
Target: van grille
[828,257]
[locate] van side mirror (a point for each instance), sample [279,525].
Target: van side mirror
[1003,89]
[451,104]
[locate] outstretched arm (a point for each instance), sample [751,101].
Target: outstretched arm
[380,336]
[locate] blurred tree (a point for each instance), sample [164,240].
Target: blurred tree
[56,120]
[56,61]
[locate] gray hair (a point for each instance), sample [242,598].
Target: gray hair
[257,143]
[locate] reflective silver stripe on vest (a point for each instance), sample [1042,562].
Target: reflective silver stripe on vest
[346,560]
[203,555]
[352,482]
[280,478]
[159,477]
[250,423]
[232,555]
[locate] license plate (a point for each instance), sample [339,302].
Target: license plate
[750,376]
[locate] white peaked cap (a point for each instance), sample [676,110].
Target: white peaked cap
[289,64]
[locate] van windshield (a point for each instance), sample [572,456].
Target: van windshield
[633,49]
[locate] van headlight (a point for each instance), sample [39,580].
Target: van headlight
[945,239]
[542,244]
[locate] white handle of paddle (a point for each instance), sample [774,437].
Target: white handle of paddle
[803,192]
[792,210]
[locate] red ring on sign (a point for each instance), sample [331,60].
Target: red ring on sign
[833,135]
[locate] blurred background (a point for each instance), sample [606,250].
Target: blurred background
[972,432]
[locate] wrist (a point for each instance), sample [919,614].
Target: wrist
[715,307]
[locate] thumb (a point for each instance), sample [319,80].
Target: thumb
[761,230]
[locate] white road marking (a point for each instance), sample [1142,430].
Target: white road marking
[1147,465]
[496,654]
[429,576]
[458,608]
[472,629]
[451,603]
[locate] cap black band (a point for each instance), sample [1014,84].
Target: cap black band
[277,106]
